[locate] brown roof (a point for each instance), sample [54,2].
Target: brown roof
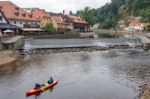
[39,13]
[58,19]
[12,11]
[55,14]
[77,19]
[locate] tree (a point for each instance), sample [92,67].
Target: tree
[49,27]
[70,13]
[109,14]
[87,15]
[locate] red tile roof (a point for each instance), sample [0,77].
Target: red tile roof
[58,19]
[39,13]
[12,11]
[77,19]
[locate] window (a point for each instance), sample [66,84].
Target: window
[14,22]
[17,8]
[0,18]
[17,13]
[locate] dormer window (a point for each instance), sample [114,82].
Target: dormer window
[17,8]
[30,16]
[23,14]
[17,13]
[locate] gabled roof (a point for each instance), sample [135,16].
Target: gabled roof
[4,16]
[76,19]
[12,11]
[39,13]
[58,19]
[55,14]
[9,26]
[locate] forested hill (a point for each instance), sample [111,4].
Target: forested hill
[109,14]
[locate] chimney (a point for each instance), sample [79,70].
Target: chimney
[63,12]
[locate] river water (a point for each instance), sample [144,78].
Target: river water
[111,74]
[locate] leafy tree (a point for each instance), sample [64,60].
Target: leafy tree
[87,15]
[109,14]
[49,27]
[70,13]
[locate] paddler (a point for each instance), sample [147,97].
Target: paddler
[50,80]
[37,86]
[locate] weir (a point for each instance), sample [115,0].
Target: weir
[79,43]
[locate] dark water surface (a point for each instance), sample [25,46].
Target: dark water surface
[113,74]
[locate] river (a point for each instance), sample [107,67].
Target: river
[110,74]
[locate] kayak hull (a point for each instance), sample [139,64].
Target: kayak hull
[45,87]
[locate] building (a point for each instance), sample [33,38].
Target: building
[41,15]
[59,24]
[136,26]
[18,16]
[4,25]
[76,24]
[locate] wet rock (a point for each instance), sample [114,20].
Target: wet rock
[145,92]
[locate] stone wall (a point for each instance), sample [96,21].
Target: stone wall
[13,43]
[1,46]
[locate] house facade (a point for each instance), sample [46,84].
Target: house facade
[4,25]
[2,18]
[18,16]
[59,24]
[76,24]
[41,15]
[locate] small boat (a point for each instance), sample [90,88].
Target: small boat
[44,87]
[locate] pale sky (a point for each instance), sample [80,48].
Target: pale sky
[59,5]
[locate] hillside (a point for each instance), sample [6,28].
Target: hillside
[109,14]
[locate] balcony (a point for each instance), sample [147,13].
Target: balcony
[31,26]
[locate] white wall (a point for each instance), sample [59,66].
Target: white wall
[3,20]
[21,23]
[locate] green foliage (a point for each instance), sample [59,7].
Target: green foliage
[87,14]
[109,14]
[49,27]
[148,28]
[139,8]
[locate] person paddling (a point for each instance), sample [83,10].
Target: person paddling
[50,80]
[37,86]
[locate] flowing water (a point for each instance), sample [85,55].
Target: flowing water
[111,74]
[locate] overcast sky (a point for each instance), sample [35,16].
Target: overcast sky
[59,5]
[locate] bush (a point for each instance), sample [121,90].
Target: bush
[49,27]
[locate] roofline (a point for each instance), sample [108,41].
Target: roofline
[23,19]
[4,16]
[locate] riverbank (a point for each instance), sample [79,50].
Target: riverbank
[145,92]
[7,57]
